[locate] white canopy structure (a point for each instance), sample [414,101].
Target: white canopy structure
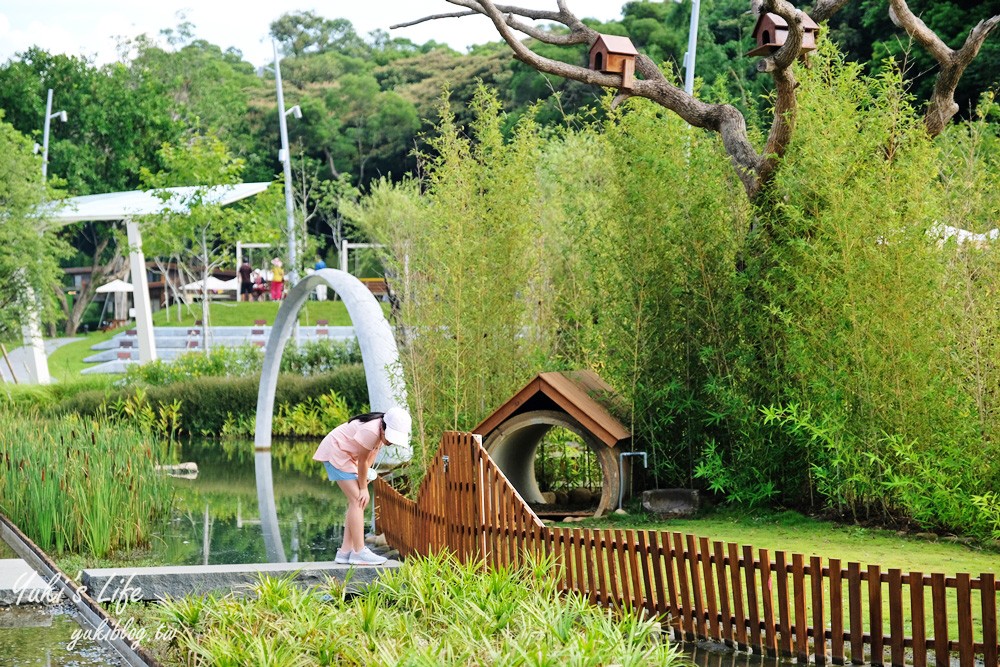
[125,206]
[115,285]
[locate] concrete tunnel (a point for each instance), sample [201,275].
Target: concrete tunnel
[575,401]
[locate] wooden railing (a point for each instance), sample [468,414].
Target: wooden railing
[810,608]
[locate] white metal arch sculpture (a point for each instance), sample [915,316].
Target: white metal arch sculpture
[383,373]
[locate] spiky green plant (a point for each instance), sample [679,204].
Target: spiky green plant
[431,611]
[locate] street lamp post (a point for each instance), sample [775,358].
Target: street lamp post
[286,160]
[31,330]
[49,115]
[692,47]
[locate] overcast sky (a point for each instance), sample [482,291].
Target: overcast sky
[90,28]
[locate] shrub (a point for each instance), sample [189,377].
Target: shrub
[310,358]
[207,403]
[24,398]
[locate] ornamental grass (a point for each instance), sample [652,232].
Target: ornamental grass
[77,484]
[431,611]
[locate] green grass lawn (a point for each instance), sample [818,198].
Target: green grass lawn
[67,362]
[795,533]
[232,313]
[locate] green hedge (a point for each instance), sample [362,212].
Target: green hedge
[44,398]
[206,402]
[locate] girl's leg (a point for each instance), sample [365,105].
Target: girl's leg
[354,523]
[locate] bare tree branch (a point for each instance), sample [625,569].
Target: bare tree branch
[433,17]
[785,106]
[901,15]
[752,168]
[942,106]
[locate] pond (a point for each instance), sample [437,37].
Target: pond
[706,654]
[48,636]
[215,519]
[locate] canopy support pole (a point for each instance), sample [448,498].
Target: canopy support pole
[34,345]
[140,284]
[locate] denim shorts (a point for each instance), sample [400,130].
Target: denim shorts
[337,475]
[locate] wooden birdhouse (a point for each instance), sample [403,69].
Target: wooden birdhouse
[613,54]
[771,32]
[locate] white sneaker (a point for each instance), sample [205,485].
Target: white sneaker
[365,557]
[343,557]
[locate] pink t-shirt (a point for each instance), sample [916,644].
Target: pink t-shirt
[349,443]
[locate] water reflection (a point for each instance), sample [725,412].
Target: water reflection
[707,654]
[36,635]
[216,519]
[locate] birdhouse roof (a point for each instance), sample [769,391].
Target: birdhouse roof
[616,44]
[581,394]
[807,23]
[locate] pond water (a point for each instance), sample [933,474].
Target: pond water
[35,635]
[215,519]
[707,654]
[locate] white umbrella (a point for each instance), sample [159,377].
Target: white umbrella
[214,285]
[115,285]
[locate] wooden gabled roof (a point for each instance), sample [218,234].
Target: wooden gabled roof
[616,44]
[581,394]
[779,22]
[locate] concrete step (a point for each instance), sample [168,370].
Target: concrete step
[156,583]
[19,584]
[179,336]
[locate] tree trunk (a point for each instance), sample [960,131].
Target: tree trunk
[116,267]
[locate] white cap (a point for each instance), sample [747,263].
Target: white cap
[397,426]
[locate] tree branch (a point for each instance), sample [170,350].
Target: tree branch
[825,9]
[752,168]
[433,17]
[942,106]
[786,105]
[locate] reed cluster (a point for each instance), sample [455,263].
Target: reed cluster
[77,484]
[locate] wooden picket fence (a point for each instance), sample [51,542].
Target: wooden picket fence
[778,604]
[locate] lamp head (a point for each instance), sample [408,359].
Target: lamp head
[63,116]
[296,111]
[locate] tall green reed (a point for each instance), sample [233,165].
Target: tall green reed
[74,484]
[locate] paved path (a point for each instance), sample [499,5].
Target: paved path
[19,358]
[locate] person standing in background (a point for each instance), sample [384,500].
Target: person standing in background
[277,280]
[246,281]
[320,289]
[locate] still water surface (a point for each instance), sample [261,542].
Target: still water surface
[215,518]
[35,635]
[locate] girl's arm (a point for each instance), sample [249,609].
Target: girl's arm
[363,466]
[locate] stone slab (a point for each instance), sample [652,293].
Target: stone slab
[157,583]
[671,503]
[20,584]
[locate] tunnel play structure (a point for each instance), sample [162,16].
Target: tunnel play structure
[578,401]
